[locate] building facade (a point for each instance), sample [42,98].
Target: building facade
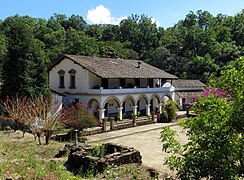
[111,87]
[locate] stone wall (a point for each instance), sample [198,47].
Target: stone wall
[128,125]
[117,126]
[85,158]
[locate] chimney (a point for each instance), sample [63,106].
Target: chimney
[138,65]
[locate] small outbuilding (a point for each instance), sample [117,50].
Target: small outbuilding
[185,90]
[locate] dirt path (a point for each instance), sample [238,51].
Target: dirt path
[149,145]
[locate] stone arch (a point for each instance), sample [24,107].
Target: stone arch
[141,103]
[167,97]
[91,101]
[127,103]
[129,97]
[157,96]
[111,104]
[93,106]
[154,104]
[143,96]
[112,98]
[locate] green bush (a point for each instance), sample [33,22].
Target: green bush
[170,108]
[215,136]
[163,117]
[168,111]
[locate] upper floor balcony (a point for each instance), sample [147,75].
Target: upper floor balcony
[134,90]
[96,86]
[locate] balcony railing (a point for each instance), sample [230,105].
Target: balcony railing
[134,90]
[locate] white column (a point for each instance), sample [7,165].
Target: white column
[120,113]
[135,110]
[160,108]
[173,96]
[148,109]
[101,114]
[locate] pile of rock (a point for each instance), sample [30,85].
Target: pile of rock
[83,158]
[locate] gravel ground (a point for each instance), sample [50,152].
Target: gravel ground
[147,142]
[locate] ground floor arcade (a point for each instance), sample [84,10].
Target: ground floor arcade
[122,106]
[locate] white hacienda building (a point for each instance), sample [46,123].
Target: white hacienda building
[111,87]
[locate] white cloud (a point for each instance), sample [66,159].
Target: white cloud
[102,15]
[155,21]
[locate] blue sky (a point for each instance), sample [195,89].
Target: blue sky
[165,12]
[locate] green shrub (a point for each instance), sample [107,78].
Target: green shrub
[117,118]
[215,136]
[163,117]
[168,111]
[138,113]
[98,151]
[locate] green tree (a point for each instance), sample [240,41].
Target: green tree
[95,31]
[205,19]
[238,28]
[225,52]
[142,34]
[76,22]
[215,146]
[131,54]
[25,67]
[55,42]
[54,22]
[176,65]
[173,39]
[190,20]
[148,37]
[112,49]
[3,52]
[107,51]
[198,37]
[202,67]
[41,29]
[129,31]
[192,42]
[159,58]
[111,33]
[159,55]
[77,42]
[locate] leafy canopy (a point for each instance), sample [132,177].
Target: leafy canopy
[215,146]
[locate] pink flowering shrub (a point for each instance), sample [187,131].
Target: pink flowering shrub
[216,92]
[78,117]
[201,103]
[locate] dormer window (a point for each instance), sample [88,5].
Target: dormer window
[61,78]
[72,73]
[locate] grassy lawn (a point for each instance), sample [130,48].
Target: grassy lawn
[23,158]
